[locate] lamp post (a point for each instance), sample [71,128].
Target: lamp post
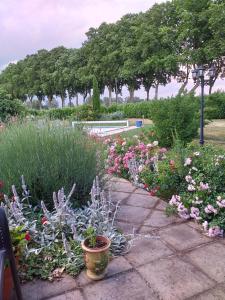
[199,74]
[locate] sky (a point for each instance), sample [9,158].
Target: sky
[29,25]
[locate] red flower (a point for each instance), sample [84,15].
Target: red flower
[152,192]
[27,236]
[145,185]
[44,220]
[1,184]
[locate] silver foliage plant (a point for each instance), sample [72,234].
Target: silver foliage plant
[63,222]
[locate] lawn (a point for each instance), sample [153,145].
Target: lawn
[215,133]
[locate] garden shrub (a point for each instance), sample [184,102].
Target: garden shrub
[138,110]
[48,157]
[11,108]
[117,115]
[203,194]
[175,117]
[82,112]
[215,106]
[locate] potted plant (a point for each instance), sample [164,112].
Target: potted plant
[96,253]
[18,239]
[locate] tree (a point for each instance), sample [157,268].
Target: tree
[96,95]
[157,47]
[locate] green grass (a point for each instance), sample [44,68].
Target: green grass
[137,131]
[215,133]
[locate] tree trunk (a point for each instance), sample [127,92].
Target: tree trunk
[182,88]
[63,100]
[84,97]
[131,91]
[40,102]
[77,100]
[50,100]
[30,98]
[156,91]
[116,91]
[197,84]
[147,92]
[110,94]
[70,102]
[211,83]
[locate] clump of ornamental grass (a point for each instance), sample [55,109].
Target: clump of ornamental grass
[49,157]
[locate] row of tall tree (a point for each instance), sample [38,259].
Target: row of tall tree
[146,49]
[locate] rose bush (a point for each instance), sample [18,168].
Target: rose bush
[191,177]
[202,196]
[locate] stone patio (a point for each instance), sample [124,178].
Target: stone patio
[173,260]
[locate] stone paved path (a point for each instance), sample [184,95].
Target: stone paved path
[181,263]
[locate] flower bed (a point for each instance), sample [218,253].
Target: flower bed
[192,177]
[54,237]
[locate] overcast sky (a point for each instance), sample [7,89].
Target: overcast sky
[29,25]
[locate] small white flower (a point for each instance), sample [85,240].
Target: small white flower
[205,225]
[191,188]
[196,153]
[140,168]
[155,143]
[194,169]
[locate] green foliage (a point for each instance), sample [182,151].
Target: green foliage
[117,115]
[51,258]
[175,117]
[215,106]
[90,235]
[96,96]
[17,235]
[10,107]
[82,112]
[49,158]
[138,110]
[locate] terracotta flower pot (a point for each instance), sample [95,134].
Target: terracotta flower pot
[96,259]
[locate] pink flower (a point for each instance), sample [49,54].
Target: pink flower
[187,162]
[162,150]
[204,186]
[220,202]
[215,231]
[175,200]
[183,211]
[209,209]
[188,178]
[195,213]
